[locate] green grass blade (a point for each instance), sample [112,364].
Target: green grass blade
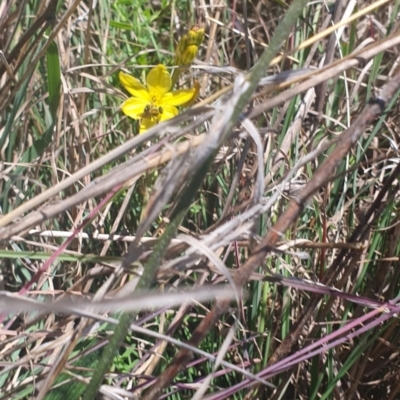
[53,78]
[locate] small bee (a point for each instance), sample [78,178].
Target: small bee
[151,111]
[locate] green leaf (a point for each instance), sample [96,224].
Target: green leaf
[53,78]
[121,25]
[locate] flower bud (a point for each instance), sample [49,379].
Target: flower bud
[195,36]
[188,55]
[188,46]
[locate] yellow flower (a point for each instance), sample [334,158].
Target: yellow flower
[154,102]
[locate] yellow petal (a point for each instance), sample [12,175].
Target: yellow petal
[168,112]
[196,87]
[178,97]
[134,87]
[133,107]
[158,82]
[146,124]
